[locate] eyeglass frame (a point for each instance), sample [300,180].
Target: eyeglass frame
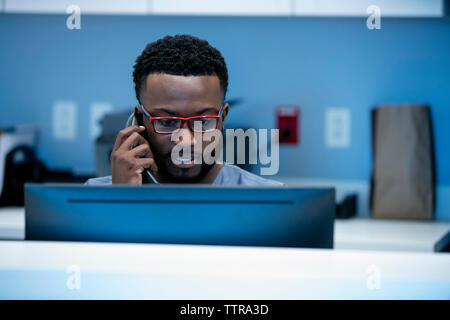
[183,120]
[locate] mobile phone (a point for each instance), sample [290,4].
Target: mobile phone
[147,175]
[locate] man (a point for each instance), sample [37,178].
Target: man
[176,78]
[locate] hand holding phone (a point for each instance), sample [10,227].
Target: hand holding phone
[147,175]
[131,155]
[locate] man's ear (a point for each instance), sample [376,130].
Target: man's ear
[137,110]
[225,109]
[138,115]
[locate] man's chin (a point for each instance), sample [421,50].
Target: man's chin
[194,174]
[186,175]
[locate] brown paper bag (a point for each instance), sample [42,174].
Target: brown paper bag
[403,176]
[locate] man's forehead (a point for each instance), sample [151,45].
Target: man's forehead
[181,88]
[182,95]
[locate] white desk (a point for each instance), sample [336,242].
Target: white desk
[391,235]
[353,234]
[30,270]
[12,223]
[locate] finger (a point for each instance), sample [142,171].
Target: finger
[132,141]
[142,150]
[124,134]
[146,163]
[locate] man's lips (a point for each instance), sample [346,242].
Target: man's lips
[185,162]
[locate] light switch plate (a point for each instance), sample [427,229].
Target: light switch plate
[64,119]
[98,111]
[337,127]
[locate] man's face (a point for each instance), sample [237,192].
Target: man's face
[165,95]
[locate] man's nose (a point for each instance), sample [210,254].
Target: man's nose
[188,135]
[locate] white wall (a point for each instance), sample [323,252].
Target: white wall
[343,8]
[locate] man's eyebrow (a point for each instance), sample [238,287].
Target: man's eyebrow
[173,113]
[206,109]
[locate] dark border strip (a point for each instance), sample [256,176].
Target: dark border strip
[142,201]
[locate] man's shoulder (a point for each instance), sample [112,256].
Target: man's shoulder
[233,175]
[229,175]
[99,181]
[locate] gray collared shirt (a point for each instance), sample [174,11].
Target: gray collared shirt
[230,175]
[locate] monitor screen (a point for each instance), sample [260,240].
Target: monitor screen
[188,214]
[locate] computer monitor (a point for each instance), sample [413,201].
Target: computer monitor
[181,214]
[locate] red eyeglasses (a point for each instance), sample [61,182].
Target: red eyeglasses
[167,125]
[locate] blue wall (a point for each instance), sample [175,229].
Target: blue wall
[314,63]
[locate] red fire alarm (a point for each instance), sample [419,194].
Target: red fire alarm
[288,124]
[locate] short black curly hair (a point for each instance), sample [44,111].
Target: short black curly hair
[184,55]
